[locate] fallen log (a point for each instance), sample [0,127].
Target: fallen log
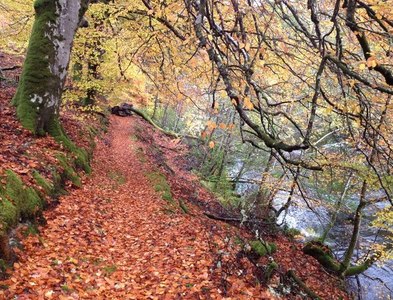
[224,219]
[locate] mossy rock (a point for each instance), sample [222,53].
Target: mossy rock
[26,199]
[58,184]
[262,248]
[3,265]
[47,187]
[81,155]
[8,214]
[68,171]
[17,201]
[269,270]
[161,185]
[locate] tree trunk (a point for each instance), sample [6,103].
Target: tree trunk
[356,230]
[153,117]
[336,210]
[263,192]
[38,97]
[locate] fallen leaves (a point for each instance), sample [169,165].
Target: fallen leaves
[113,240]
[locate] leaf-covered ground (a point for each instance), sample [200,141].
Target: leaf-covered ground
[115,238]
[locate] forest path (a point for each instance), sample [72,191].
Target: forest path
[114,239]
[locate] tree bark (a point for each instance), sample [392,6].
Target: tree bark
[38,97]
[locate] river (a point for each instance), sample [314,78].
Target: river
[377,281]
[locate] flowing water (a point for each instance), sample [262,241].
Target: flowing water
[377,281]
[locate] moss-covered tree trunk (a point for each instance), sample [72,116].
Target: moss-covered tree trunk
[38,97]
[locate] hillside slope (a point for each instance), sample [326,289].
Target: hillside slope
[136,230]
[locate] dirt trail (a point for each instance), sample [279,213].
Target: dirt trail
[113,239]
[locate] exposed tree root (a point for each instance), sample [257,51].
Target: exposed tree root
[302,285]
[324,256]
[167,132]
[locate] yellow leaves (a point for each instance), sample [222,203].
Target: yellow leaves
[150,12]
[384,220]
[171,18]
[383,9]
[261,63]
[362,66]
[352,108]
[247,47]
[247,103]
[371,62]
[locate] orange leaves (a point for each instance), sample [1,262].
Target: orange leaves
[222,126]
[247,103]
[211,144]
[211,125]
[371,62]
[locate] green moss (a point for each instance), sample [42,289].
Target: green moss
[68,171]
[262,248]
[81,156]
[141,155]
[3,265]
[161,185]
[47,187]
[36,77]
[270,268]
[66,288]
[31,229]
[183,206]
[41,4]
[109,270]
[117,177]
[323,254]
[292,232]
[17,201]
[26,199]
[356,270]
[238,241]
[8,215]
[58,184]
